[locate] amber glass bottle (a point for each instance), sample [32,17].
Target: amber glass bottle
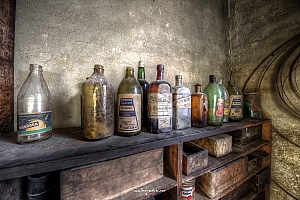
[97,106]
[34,114]
[215,98]
[144,84]
[236,102]
[129,104]
[199,108]
[181,105]
[160,104]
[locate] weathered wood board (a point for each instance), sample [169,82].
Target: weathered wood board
[245,136]
[110,179]
[217,145]
[263,159]
[239,192]
[261,180]
[252,163]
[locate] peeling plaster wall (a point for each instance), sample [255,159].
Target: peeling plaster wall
[257,29]
[68,37]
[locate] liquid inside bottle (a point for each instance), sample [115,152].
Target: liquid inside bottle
[160,104]
[97,106]
[181,105]
[199,107]
[34,108]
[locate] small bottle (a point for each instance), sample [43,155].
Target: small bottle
[215,98]
[181,105]
[34,115]
[144,84]
[97,106]
[160,104]
[188,190]
[226,101]
[129,104]
[236,102]
[199,107]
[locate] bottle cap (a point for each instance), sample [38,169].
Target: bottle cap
[212,77]
[141,63]
[160,67]
[97,66]
[178,77]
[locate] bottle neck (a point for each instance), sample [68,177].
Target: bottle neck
[178,81]
[35,69]
[141,73]
[98,69]
[198,88]
[160,72]
[129,72]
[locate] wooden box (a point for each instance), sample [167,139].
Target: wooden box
[217,145]
[263,159]
[261,180]
[252,163]
[194,158]
[239,192]
[245,136]
[217,181]
[107,180]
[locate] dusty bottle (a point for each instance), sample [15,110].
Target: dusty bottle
[215,98]
[34,108]
[160,104]
[97,106]
[181,105]
[236,102]
[144,84]
[129,104]
[226,101]
[199,107]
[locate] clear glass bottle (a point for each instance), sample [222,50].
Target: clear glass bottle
[215,98]
[160,104]
[236,102]
[181,105]
[97,106]
[226,101]
[129,104]
[34,108]
[199,107]
[145,85]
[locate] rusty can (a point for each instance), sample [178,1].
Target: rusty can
[252,105]
[188,190]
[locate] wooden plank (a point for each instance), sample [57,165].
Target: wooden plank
[261,180]
[113,178]
[239,192]
[13,189]
[267,130]
[263,159]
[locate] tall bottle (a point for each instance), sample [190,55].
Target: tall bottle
[144,84]
[129,104]
[34,108]
[199,107]
[97,106]
[226,101]
[160,104]
[236,102]
[181,105]
[215,98]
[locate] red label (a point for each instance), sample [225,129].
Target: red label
[220,110]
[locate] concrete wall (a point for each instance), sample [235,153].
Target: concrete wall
[68,37]
[259,31]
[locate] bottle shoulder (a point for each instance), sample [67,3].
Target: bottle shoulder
[160,86]
[129,86]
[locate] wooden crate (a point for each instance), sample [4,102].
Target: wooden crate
[252,163]
[107,180]
[245,136]
[263,159]
[220,179]
[194,158]
[261,180]
[217,145]
[239,192]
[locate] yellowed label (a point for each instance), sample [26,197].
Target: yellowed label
[129,112]
[182,100]
[236,107]
[159,105]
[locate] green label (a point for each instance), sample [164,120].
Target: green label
[29,124]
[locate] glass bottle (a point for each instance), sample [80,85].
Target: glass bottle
[129,104]
[199,107]
[144,84]
[160,104]
[226,101]
[181,105]
[97,106]
[215,98]
[236,102]
[34,108]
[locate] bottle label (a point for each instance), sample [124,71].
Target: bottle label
[34,123]
[181,100]
[129,112]
[226,107]
[220,110]
[159,105]
[236,107]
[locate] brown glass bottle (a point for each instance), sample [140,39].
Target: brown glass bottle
[144,84]
[199,107]
[160,104]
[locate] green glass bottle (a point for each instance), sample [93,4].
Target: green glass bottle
[144,84]
[129,116]
[236,102]
[215,96]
